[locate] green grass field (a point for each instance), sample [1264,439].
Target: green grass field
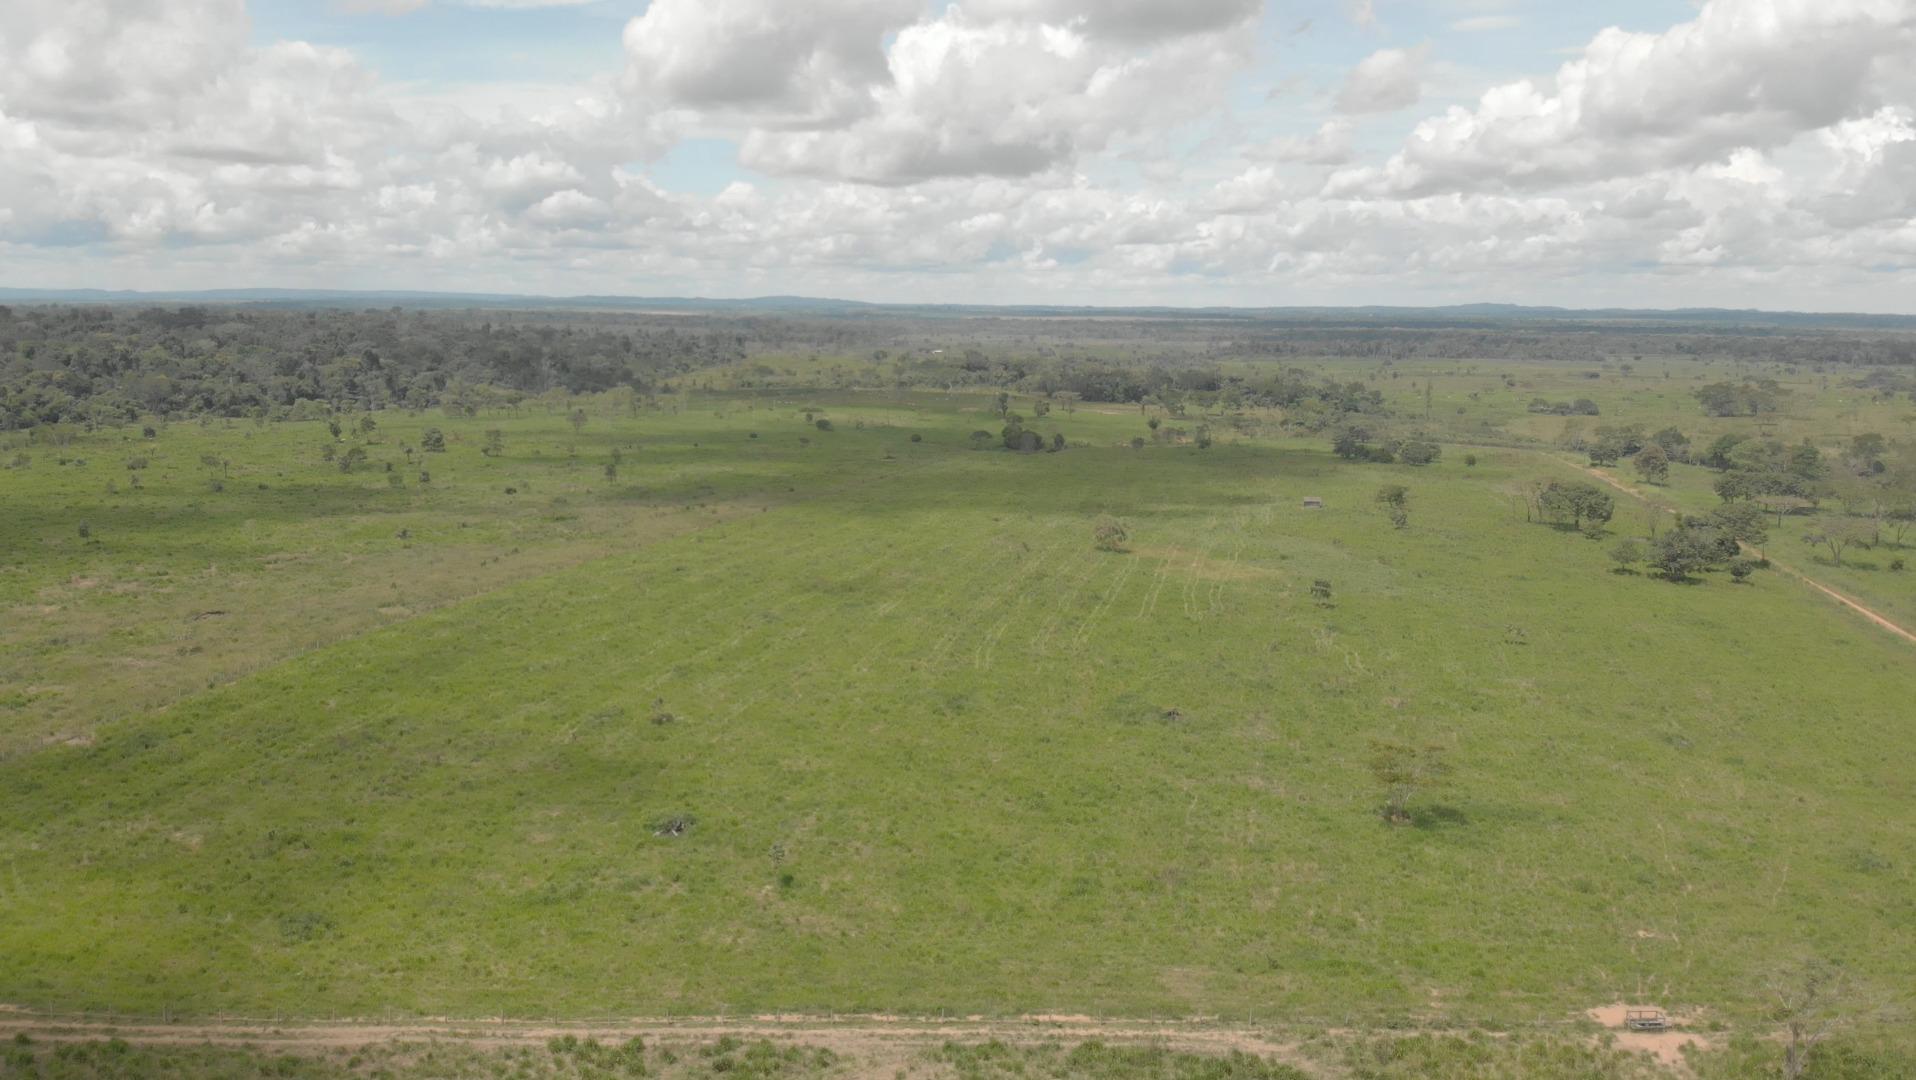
[867,724]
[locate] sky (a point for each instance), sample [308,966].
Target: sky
[1638,153]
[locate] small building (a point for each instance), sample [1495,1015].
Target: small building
[1312,502]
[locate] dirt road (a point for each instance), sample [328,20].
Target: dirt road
[874,1045]
[1881,620]
[878,1044]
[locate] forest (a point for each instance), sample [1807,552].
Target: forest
[110,364]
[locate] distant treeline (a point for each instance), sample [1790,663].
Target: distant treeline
[112,364]
[1585,344]
[1165,377]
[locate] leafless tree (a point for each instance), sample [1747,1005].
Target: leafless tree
[1808,1004]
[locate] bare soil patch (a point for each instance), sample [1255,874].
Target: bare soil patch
[1665,1046]
[884,1037]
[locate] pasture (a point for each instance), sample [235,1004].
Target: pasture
[778,718]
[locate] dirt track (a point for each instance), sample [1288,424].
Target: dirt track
[879,1043]
[1881,620]
[875,1045]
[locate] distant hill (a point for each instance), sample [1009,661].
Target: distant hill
[803,305]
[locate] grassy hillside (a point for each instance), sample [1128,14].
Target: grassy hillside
[869,724]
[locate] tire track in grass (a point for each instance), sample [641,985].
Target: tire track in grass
[983,572]
[755,602]
[891,559]
[1195,574]
[1047,634]
[1150,602]
[1083,633]
[604,629]
[981,657]
[750,601]
[889,556]
[1007,590]
[884,610]
[1233,564]
[608,621]
[1066,583]
[612,621]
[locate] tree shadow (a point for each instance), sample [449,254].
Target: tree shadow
[1438,816]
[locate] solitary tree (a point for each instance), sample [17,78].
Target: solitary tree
[1783,505]
[1867,448]
[495,443]
[1395,498]
[1838,537]
[1404,769]
[1806,1002]
[1900,519]
[433,441]
[578,419]
[1626,554]
[1418,452]
[1348,442]
[1013,433]
[1109,534]
[1653,464]
[1576,502]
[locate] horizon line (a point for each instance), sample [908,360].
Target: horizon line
[240,294]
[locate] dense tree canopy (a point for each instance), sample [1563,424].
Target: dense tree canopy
[111,364]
